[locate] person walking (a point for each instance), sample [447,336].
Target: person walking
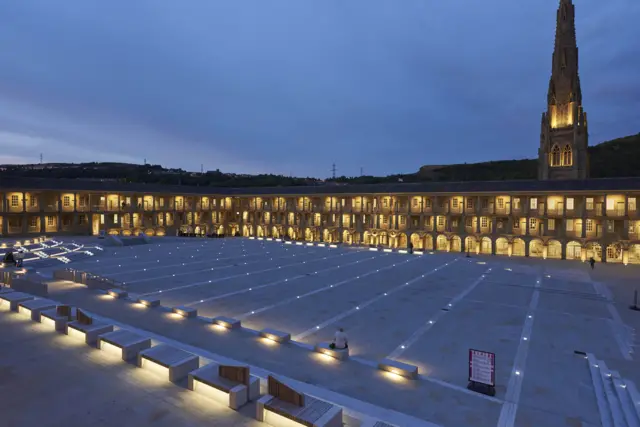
[592,262]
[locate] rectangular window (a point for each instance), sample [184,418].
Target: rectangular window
[440,220]
[469,203]
[610,226]
[551,224]
[589,225]
[516,224]
[500,203]
[82,219]
[516,203]
[455,203]
[428,203]
[50,221]
[485,203]
[469,222]
[533,223]
[454,222]
[33,202]
[385,203]
[384,220]
[484,222]
[82,202]
[14,201]
[570,203]
[415,203]
[402,220]
[589,203]
[66,201]
[570,225]
[533,203]
[33,221]
[632,204]
[102,219]
[610,204]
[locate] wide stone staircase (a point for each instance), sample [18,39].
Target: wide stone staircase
[618,398]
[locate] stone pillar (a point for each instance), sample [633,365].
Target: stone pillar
[625,256]
[526,245]
[545,251]
[510,248]
[583,254]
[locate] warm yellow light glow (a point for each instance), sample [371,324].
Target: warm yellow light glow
[210,392]
[175,316]
[76,334]
[323,358]
[268,341]
[105,297]
[394,376]
[152,366]
[48,321]
[561,115]
[219,327]
[139,306]
[24,311]
[110,349]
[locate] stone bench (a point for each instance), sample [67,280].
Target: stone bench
[123,343]
[284,407]
[33,308]
[149,301]
[226,322]
[168,361]
[57,318]
[229,385]
[185,311]
[9,301]
[86,329]
[336,353]
[275,335]
[399,368]
[117,293]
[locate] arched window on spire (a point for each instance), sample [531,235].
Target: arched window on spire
[554,157]
[567,156]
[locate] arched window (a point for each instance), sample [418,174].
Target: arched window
[567,156]
[554,157]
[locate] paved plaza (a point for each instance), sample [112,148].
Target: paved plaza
[539,318]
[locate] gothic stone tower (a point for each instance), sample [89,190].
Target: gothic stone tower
[564,136]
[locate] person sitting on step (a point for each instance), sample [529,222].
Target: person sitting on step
[340,340]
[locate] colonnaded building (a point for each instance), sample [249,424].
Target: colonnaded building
[563,214]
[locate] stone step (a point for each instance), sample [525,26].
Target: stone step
[618,399]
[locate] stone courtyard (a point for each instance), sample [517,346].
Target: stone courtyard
[540,318]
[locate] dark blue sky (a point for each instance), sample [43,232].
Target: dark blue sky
[290,86]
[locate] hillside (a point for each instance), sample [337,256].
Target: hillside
[611,159]
[617,158]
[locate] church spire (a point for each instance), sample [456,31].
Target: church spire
[563,152]
[564,85]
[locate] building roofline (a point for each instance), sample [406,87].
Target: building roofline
[432,187]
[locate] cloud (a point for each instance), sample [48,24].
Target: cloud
[291,87]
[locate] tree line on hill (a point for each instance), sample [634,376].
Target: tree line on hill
[617,158]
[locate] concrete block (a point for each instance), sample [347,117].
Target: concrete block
[399,368]
[168,361]
[117,293]
[149,301]
[275,335]
[226,322]
[340,354]
[32,308]
[9,301]
[185,311]
[124,343]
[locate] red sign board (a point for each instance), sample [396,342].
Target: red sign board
[482,367]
